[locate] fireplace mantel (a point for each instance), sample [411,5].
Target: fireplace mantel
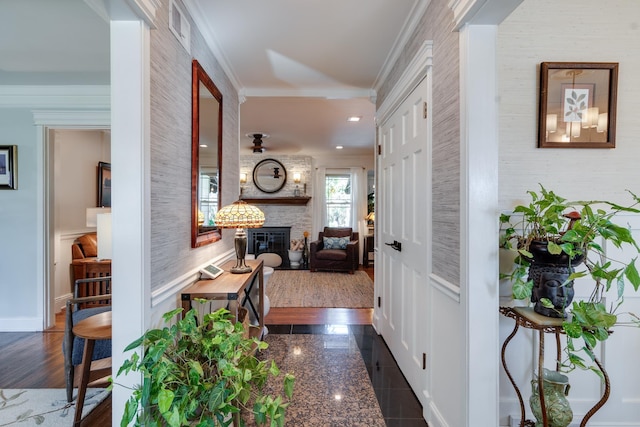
[296,201]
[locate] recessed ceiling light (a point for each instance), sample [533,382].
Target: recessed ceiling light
[354,118]
[203,145]
[339,147]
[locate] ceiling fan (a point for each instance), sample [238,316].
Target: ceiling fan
[257,141]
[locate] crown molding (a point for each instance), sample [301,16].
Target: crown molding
[328,93]
[73,118]
[197,15]
[481,12]
[407,31]
[412,76]
[96,97]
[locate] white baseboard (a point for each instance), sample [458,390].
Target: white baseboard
[21,324]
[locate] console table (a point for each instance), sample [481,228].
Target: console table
[232,287]
[529,319]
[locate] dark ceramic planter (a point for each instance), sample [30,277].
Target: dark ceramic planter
[549,273]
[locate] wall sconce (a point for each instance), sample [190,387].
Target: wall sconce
[243,180]
[296,178]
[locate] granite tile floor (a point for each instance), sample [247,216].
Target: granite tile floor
[347,362]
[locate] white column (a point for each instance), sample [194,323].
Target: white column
[130,201]
[479,221]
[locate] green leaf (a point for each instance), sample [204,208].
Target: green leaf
[173,418]
[289,381]
[165,399]
[546,303]
[522,290]
[130,411]
[631,273]
[573,330]
[554,248]
[589,338]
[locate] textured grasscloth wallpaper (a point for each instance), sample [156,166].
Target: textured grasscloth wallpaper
[171,253]
[437,25]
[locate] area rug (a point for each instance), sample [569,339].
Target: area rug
[46,407]
[301,288]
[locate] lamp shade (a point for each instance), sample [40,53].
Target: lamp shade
[104,236]
[239,214]
[92,214]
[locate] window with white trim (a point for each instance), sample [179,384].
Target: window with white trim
[338,199]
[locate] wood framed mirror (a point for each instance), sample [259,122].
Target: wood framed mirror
[269,176]
[206,155]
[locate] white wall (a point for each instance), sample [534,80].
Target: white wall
[573,30]
[580,31]
[18,233]
[76,155]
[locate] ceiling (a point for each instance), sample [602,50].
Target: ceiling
[302,66]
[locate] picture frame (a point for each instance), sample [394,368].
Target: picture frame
[104,185]
[8,167]
[577,105]
[211,271]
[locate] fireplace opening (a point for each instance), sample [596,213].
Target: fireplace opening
[270,239]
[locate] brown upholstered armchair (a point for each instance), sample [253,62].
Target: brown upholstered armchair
[85,246]
[337,258]
[85,262]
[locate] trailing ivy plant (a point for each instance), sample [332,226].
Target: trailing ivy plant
[202,374]
[578,229]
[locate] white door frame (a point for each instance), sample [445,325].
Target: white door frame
[45,121]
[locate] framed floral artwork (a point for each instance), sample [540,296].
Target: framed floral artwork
[577,104]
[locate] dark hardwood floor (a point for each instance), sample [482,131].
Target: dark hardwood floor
[34,360]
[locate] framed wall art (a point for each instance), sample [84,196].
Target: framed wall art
[104,185]
[8,167]
[577,105]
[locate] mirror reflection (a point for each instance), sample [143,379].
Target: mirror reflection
[269,176]
[206,154]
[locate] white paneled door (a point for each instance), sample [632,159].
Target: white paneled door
[403,263]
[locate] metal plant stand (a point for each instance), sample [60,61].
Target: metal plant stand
[527,318]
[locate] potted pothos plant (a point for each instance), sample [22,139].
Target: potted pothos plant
[204,373]
[551,229]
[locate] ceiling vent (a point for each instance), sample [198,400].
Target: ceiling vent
[179,25]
